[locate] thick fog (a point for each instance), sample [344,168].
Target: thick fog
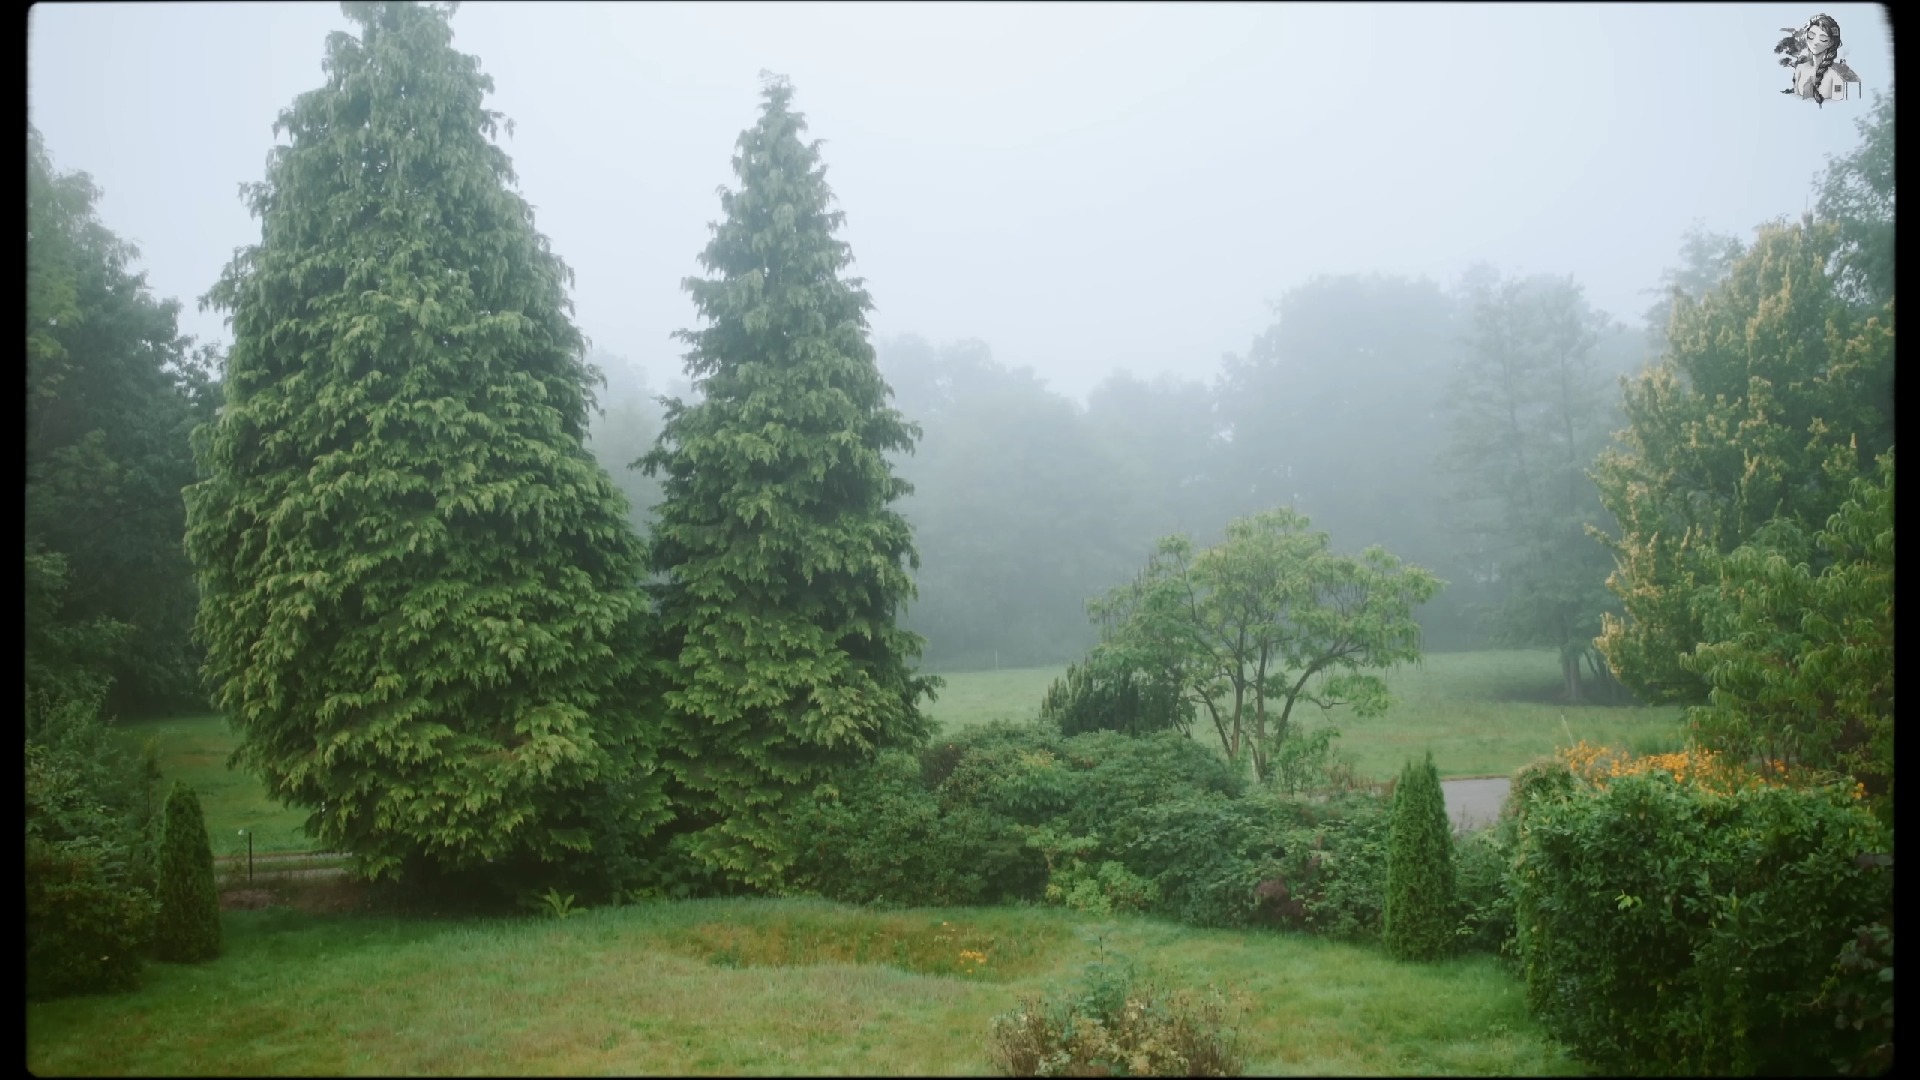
[1083,187]
[1137,269]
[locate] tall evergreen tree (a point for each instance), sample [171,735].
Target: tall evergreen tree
[419,589]
[784,562]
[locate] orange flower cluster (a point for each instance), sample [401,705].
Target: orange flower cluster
[1599,764]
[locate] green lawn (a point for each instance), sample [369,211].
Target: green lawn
[748,987]
[803,987]
[195,749]
[1481,713]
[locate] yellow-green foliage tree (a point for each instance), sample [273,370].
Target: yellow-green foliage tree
[1774,394]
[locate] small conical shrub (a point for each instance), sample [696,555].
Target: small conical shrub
[188,929]
[1418,922]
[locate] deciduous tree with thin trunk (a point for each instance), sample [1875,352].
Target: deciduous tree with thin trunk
[1269,620]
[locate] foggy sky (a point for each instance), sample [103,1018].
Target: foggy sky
[1085,187]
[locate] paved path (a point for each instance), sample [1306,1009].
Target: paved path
[1473,804]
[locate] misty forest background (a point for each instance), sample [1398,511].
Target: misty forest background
[1378,406]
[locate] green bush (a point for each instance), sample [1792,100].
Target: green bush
[90,850]
[882,838]
[1307,762]
[1206,855]
[1547,779]
[1015,771]
[83,784]
[1118,775]
[1484,862]
[188,929]
[1333,873]
[1663,928]
[1107,889]
[1263,860]
[87,927]
[1420,919]
[1115,1024]
[1859,996]
[1102,694]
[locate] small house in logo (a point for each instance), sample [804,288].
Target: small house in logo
[1813,52]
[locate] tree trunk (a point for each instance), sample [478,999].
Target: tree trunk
[1570,671]
[1610,690]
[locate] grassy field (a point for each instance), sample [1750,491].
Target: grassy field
[749,987]
[1481,713]
[802,987]
[195,749]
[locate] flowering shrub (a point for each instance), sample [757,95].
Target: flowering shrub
[1597,765]
[1674,916]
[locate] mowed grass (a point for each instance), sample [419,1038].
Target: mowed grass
[759,987]
[195,749]
[1481,713]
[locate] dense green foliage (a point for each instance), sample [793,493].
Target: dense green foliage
[1665,929]
[1098,694]
[881,837]
[1774,394]
[1859,994]
[88,929]
[1483,862]
[1801,662]
[1420,919]
[91,811]
[784,563]
[418,587]
[1270,614]
[187,929]
[1100,823]
[112,390]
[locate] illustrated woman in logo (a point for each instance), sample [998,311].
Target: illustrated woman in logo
[1813,52]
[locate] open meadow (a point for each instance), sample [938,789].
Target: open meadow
[1481,713]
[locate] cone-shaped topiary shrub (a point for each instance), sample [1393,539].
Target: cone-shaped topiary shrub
[1418,921]
[188,929]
